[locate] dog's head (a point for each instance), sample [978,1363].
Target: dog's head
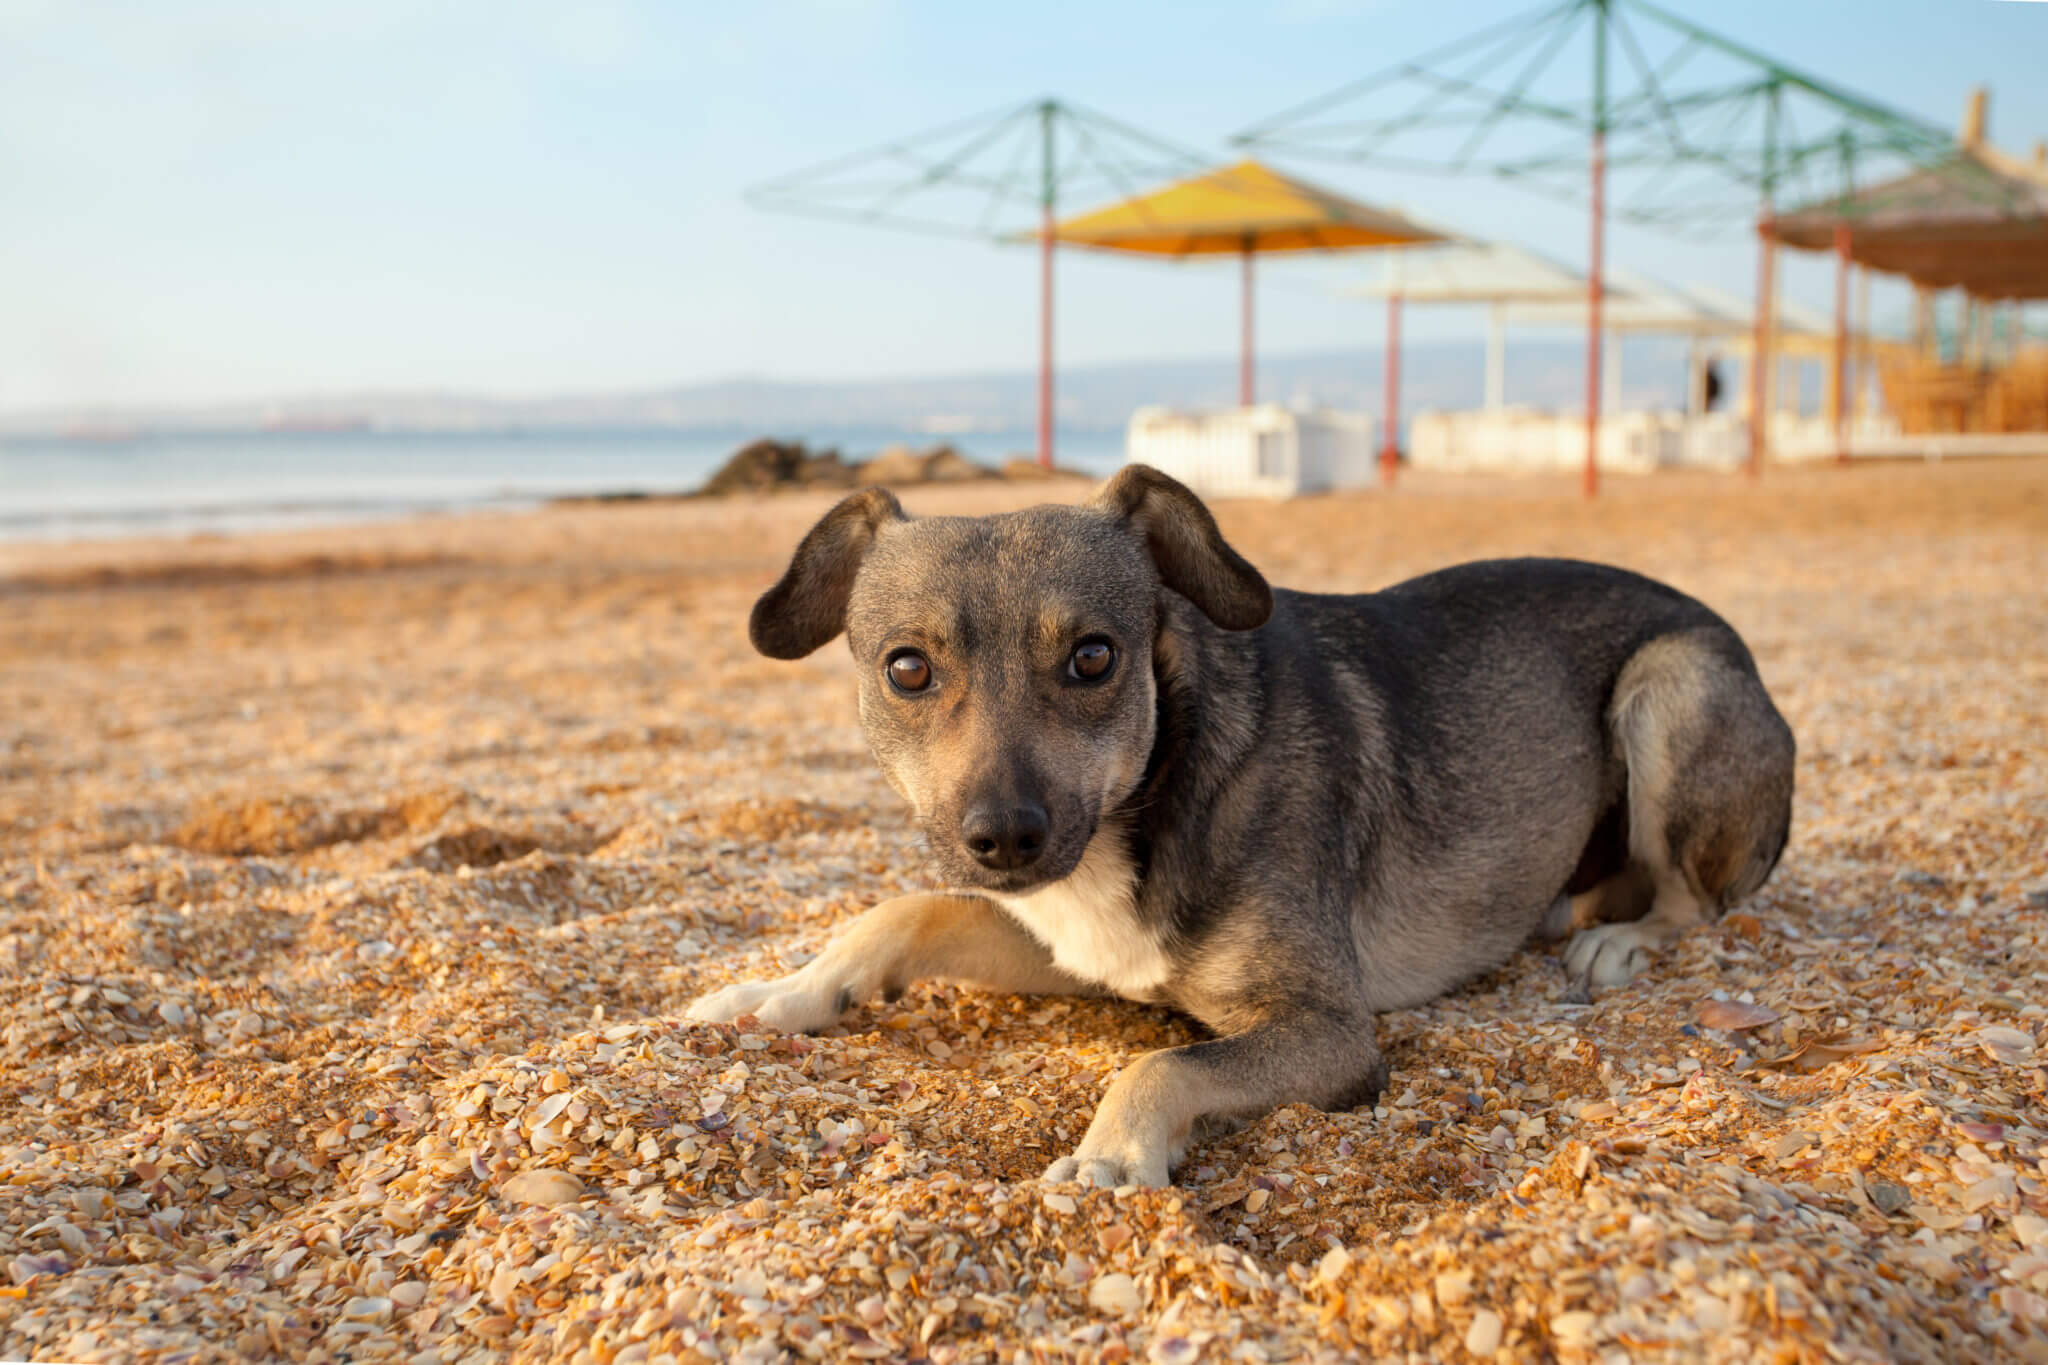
[1006,679]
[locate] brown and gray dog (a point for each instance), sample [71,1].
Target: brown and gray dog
[1154,777]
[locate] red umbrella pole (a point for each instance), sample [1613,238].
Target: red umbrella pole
[1595,279]
[1045,342]
[1759,358]
[1390,431]
[1246,389]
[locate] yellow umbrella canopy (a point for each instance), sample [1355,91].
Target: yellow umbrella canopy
[1240,210]
[1235,209]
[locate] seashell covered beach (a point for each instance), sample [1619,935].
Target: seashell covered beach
[354,883]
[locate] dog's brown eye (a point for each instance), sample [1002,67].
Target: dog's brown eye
[1092,660]
[910,671]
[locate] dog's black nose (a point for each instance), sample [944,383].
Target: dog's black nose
[1005,838]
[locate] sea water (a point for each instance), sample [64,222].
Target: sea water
[183,483]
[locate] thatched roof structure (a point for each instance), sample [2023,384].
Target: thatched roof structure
[1977,221]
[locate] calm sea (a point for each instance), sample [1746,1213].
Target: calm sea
[180,484]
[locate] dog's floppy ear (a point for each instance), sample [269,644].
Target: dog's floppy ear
[1192,557]
[808,607]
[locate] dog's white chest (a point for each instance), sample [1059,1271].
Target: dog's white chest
[1089,920]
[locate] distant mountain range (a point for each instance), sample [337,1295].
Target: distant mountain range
[1096,397]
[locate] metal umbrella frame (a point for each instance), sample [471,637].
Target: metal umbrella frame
[998,177]
[1703,130]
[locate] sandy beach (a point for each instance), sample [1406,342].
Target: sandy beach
[353,882]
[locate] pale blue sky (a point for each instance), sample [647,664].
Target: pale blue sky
[222,199]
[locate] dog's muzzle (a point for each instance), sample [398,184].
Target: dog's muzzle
[1005,837]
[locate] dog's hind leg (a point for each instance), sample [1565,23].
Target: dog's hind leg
[1709,763]
[890,947]
[1613,927]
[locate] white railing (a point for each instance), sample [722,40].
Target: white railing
[1267,451]
[1532,439]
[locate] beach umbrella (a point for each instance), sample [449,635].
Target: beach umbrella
[1240,210]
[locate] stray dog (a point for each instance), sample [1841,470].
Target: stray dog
[1154,777]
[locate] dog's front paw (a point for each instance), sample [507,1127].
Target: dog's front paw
[1120,1148]
[797,1003]
[1110,1170]
[1609,955]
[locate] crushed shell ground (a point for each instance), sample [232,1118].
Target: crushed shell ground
[353,883]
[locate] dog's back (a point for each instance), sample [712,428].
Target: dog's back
[1448,747]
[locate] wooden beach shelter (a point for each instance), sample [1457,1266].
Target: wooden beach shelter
[1976,221]
[1240,210]
[1639,305]
[1524,288]
[1492,273]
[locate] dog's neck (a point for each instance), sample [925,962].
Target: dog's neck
[1194,661]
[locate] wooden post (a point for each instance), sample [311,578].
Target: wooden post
[1610,381]
[1496,357]
[1774,365]
[1390,431]
[1596,265]
[1595,282]
[1864,376]
[1839,378]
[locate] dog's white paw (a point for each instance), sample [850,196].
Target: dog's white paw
[1611,954]
[1114,1153]
[1109,1171]
[797,1003]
